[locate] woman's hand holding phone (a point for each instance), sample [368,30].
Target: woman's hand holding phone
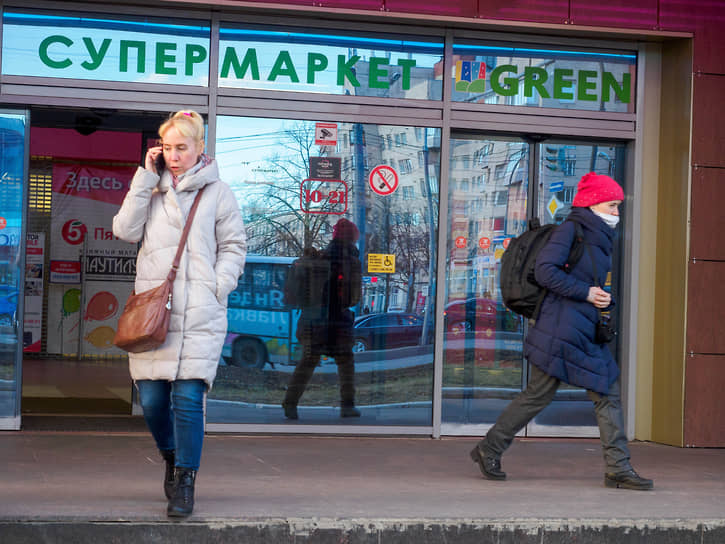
[154,161]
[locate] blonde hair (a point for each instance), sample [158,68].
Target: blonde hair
[189,124]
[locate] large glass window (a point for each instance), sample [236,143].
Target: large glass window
[294,181]
[349,63]
[12,276]
[482,362]
[519,75]
[141,50]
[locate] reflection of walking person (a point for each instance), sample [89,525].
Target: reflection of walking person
[325,285]
[563,345]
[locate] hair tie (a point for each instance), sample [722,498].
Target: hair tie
[186,113]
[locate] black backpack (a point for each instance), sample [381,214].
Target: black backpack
[520,292]
[306,285]
[347,282]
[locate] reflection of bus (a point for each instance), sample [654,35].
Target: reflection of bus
[260,326]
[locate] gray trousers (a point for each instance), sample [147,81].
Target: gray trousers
[538,395]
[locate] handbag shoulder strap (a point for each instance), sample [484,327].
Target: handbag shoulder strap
[184,236]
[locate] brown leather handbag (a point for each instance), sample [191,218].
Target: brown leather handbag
[145,319]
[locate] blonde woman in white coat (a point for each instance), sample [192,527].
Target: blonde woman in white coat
[173,379]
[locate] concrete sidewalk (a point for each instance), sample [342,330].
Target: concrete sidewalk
[93,487]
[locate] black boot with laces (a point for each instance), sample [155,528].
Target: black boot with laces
[489,465]
[628,479]
[181,503]
[170,474]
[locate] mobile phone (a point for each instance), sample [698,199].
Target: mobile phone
[160,163]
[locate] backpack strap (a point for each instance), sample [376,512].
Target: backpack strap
[577,247]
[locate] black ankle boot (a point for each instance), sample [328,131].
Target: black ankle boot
[170,474]
[627,479]
[290,410]
[489,465]
[349,410]
[181,503]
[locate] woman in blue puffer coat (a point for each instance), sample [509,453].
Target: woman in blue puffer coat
[561,345]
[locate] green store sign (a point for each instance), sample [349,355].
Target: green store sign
[559,83]
[345,68]
[268,63]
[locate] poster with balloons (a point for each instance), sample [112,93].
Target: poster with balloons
[91,271]
[102,306]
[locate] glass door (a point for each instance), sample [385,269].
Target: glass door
[482,347]
[13,128]
[495,185]
[560,166]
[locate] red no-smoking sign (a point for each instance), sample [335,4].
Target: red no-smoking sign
[383,180]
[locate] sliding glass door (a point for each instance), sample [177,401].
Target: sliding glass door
[495,185]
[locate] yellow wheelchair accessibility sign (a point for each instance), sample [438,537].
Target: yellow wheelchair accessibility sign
[381,263]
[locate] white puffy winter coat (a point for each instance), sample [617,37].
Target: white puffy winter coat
[210,266]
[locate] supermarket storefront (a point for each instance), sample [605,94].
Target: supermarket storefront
[439,143]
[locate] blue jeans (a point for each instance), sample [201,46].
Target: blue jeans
[174,413]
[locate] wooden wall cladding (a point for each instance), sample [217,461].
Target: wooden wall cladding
[708,216]
[704,406]
[706,308]
[708,120]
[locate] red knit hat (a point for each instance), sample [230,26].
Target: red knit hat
[595,188]
[345,230]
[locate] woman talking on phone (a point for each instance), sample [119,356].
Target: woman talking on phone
[173,379]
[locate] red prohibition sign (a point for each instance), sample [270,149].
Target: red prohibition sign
[383,180]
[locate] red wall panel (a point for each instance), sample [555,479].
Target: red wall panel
[708,120]
[538,11]
[707,217]
[70,144]
[705,307]
[704,422]
[706,18]
[615,13]
[450,8]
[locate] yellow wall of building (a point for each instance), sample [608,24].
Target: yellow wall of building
[672,245]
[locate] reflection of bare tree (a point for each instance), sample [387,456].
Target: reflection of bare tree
[410,244]
[277,224]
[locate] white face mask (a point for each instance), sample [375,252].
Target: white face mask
[611,220]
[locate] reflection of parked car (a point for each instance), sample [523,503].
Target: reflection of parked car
[387,330]
[472,314]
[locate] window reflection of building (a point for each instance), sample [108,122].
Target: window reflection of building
[400,224]
[480,208]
